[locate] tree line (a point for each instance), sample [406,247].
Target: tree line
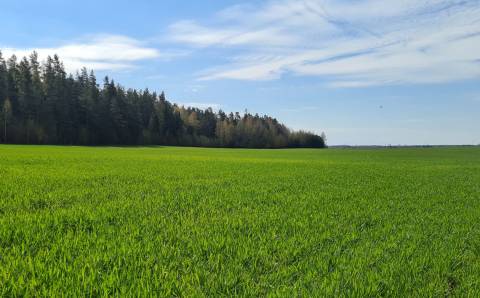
[41,104]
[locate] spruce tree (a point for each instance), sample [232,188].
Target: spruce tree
[3,80]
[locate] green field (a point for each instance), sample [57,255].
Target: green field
[220,222]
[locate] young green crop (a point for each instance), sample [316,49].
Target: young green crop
[166,221]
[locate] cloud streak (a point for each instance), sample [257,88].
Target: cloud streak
[99,52]
[346,43]
[201,105]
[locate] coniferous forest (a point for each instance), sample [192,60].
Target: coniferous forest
[41,104]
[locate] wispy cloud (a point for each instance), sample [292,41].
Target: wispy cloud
[347,43]
[99,52]
[202,105]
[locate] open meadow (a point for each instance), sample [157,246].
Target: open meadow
[169,221]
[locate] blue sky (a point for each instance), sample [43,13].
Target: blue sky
[364,72]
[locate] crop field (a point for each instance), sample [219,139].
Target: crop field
[78,221]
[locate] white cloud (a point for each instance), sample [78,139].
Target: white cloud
[100,52]
[347,43]
[192,33]
[202,105]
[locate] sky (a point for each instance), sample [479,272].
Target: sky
[365,72]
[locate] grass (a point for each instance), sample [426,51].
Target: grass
[79,221]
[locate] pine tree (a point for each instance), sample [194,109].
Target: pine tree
[25,99]
[3,80]
[47,113]
[37,92]
[162,97]
[7,115]
[12,84]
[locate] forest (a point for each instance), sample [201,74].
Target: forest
[41,104]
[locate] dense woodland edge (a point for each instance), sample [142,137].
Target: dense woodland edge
[41,104]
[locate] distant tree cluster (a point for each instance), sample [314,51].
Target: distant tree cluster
[41,104]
